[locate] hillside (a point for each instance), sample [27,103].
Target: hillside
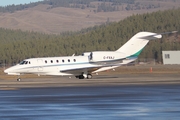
[17,45]
[47,19]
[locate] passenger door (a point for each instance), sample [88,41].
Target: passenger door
[40,64]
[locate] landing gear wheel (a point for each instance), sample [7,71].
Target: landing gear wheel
[19,79]
[81,77]
[89,76]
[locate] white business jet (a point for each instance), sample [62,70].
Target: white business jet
[88,63]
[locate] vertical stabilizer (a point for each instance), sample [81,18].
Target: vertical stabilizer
[135,45]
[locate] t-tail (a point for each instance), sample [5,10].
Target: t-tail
[135,45]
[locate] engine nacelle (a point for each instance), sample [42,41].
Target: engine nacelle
[102,56]
[86,53]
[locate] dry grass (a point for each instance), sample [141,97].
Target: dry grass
[145,69]
[61,19]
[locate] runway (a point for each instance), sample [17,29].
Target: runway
[98,80]
[124,102]
[105,97]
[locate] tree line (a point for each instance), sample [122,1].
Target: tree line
[82,4]
[102,6]
[17,45]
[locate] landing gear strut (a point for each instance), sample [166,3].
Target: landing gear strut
[18,79]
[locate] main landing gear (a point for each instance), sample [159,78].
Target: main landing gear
[19,79]
[88,76]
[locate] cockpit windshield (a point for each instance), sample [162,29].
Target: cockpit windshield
[24,62]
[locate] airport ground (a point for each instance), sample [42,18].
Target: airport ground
[130,92]
[125,75]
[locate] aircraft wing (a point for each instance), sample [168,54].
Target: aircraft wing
[91,69]
[97,67]
[78,71]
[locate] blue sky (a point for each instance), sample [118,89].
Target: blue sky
[16,2]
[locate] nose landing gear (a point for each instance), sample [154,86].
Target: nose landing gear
[18,79]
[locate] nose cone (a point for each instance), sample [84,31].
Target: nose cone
[11,69]
[6,70]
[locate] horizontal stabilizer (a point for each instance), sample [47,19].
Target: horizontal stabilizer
[156,36]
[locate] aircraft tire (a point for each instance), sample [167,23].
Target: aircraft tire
[19,79]
[81,77]
[89,76]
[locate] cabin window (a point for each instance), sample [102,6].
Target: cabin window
[62,60]
[45,61]
[68,60]
[74,60]
[51,61]
[29,62]
[57,61]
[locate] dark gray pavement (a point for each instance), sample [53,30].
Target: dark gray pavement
[105,97]
[124,102]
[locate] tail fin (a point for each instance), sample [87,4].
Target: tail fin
[135,45]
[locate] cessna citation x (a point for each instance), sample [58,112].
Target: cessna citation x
[88,63]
